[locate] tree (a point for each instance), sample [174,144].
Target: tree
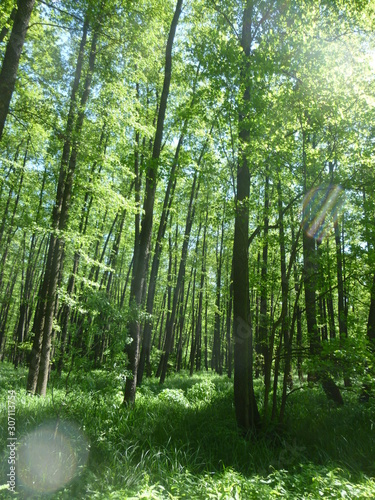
[141,253]
[247,413]
[12,56]
[43,321]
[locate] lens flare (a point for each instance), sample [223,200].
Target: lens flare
[320,210]
[51,456]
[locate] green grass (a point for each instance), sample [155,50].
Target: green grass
[181,441]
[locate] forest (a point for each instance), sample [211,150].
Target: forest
[187,249]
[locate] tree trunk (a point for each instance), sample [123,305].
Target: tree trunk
[331,315]
[309,278]
[65,313]
[140,264]
[4,31]
[181,274]
[264,334]
[5,308]
[247,414]
[11,222]
[39,369]
[200,298]
[168,200]
[284,332]
[12,56]
[193,326]
[229,324]
[216,349]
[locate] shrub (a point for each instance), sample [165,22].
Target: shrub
[202,393]
[174,397]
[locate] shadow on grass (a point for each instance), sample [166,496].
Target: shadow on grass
[183,436]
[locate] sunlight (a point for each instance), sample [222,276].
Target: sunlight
[320,210]
[51,456]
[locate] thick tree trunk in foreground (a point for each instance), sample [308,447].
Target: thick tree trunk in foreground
[12,56]
[247,414]
[140,262]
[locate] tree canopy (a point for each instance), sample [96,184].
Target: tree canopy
[189,185]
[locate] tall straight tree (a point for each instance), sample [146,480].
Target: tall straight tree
[43,321]
[12,56]
[143,247]
[168,199]
[247,414]
[169,334]
[216,363]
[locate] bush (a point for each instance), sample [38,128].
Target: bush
[201,394]
[173,397]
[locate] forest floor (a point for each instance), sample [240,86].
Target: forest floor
[180,441]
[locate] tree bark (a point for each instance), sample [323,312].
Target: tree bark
[39,369]
[180,277]
[198,334]
[216,349]
[12,56]
[10,20]
[140,264]
[264,334]
[246,408]
[168,200]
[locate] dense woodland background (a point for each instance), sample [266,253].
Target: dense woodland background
[190,186]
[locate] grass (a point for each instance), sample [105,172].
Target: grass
[181,441]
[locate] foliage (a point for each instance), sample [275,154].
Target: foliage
[306,112]
[165,448]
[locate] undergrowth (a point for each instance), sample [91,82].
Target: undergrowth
[181,441]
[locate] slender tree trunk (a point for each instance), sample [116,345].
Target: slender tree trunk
[284,332]
[12,56]
[309,271]
[288,357]
[11,222]
[181,275]
[206,332]
[370,333]
[4,312]
[39,369]
[140,264]
[65,313]
[264,334]
[310,275]
[25,301]
[342,305]
[4,31]
[200,298]
[343,328]
[180,328]
[229,324]
[323,330]
[331,314]
[168,200]
[371,319]
[193,325]
[216,350]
